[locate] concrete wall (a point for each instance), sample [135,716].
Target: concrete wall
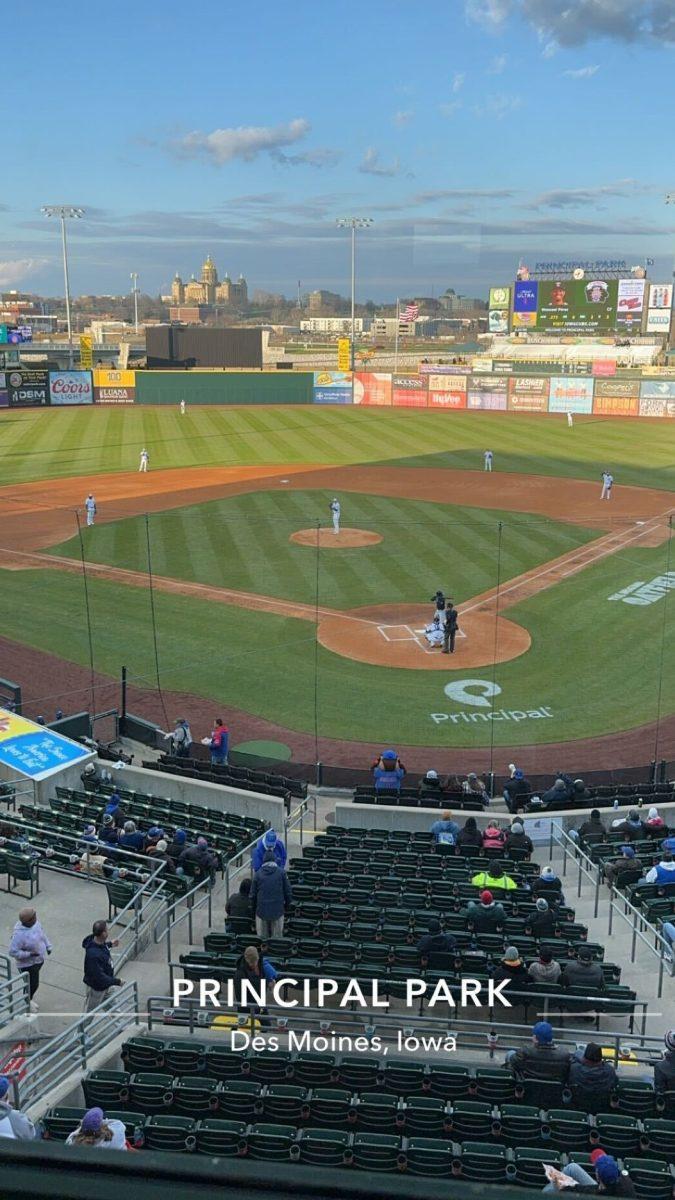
[178,787]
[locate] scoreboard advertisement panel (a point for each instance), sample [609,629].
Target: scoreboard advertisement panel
[576,305]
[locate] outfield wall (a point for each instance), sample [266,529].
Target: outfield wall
[223,387]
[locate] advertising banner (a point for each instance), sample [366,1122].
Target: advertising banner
[441,383]
[660,295]
[603,366]
[498,310]
[114,387]
[344,360]
[440,369]
[332,387]
[4,398]
[571,395]
[409,391]
[657,406]
[630,305]
[616,398]
[525,301]
[577,305]
[27,388]
[528,393]
[34,750]
[86,352]
[70,387]
[373,389]
[447,399]
[658,320]
[487,392]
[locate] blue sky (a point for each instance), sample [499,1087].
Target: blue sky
[473,132]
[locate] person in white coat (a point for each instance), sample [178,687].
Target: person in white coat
[13,1124]
[99,1132]
[145,457]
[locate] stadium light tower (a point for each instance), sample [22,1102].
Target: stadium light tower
[353,223]
[134,281]
[65,212]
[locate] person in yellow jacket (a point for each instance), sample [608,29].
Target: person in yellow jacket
[495,878]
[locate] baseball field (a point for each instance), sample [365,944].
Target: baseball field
[216,578]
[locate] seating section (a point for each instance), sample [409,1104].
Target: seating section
[370,1113]
[603,796]
[266,783]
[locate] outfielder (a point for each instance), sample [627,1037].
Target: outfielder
[335,509]
[90,506]
[607,483]
[570,421]
[143,464]
[182,408]
[487,460]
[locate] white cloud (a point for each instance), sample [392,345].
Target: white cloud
[371,165]
[498,64]
[458,81]
[584,197]
[17,269]
[245,142]
[323,156]
[582,72]
[498,106]
[403,117]
[449,109]
[576,22]
[491,14]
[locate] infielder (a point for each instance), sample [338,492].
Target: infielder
[182,408]
[487,460]
[607,483]
[90,506]
[570,421]
[143,464]
[335,509]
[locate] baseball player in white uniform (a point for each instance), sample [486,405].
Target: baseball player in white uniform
[90,507]
[182,408]
[335,509]
[570,421]
[143,464]
[607,483]
[487,460]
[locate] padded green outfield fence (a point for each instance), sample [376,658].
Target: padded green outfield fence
[220,387]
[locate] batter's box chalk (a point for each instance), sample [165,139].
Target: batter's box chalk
[396,633]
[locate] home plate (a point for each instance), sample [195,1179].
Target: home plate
[284,481]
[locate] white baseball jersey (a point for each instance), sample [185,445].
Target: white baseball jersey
[90,504]
[607,480]
[335,507]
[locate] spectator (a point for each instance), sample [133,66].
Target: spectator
[631,826]
[548,885]
[545,969]
[516,791]
[435,942]
[470,837]
[13,1124]
[269,841]
[592,1079]
[158,853]
[430,785]
[542,923]
[664,871]
[473,786]
[486,915]
[201,862]
[98,1132]
[669,844]
[29,946]
[180,738]
[114,809]
[560,793]
[453,783]
[252,968]
[388,772]
[583,972]
[58,716]
[177,844]
[494,838]
[88,839]
[271,895]
[219,742]
[494,878]
[608,1180]
[131,838]
[655,823]
[664,1069]
[445,831]
[542,1059]
[512,968]
[592,827]
[239,905]
[153,836]
[99,976]
[517,839]
[91,778]
[108,834]
[625,865]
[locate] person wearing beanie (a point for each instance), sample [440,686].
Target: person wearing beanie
[486,915]
[621,871]
[114,809]
[669,843]
[159,852]
[155,832]
[494,838]
[664,1069]
[608,1178]
[433,943]
[592,1079]
[131,838]
[494,878]
[269,841]
[655,823]
[517,839]
[549,886]
[199,861]
[469,837]
[583,972]
[541,1058]
[592,827]
[545,969]
[662,872]
[98,1131]
[630,827]
[13,1124]
[388,772]
[29,947]
[177,844]
[543,922]
[109,833]
[445,830]
[516,791]
[239,905]
[513,969]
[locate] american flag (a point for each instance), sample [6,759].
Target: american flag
[410,313]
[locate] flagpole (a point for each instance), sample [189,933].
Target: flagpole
[398,319]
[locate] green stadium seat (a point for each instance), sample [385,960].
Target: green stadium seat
[425,1116]
[658,1139]
[169,1133]
[356,1071]
[378,1112]
[59,1122]
[143,1054]
[331,1108]
[21,868]
[404,1079]
[520,1125]
[634,1098]
[323,1147]
[569,1129]
[470,1119]
[224,1064]
[195,1095]
[185,1058]
[377,1152]
[449,1083]
[286,1103]
[651,1177]
[429,1156]
[617,1133]
[151,1092]
[103,1088]
[240,1098]
[270,1142]
[270,1068]
[218,1137]
[481,1162]
[495,1084]
[527,1169]
[313,1070]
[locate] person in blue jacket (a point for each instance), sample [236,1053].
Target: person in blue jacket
[271,896]
[99,975]
[388,772]
[269,841]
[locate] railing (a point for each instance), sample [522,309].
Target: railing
[297,817]
[72,1050]
[237,864]
[6,967]
[84,849]
[14,1000]
[135,935]
[585,865]
[648,934]
[171,921]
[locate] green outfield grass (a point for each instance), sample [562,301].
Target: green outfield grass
[73,441]
[243,542]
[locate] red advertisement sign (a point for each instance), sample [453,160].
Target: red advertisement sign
[372,388]
[447,399]
[604,366]
[409,391]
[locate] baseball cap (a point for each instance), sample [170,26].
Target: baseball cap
[543,1032]
[92,1120]
[518,774]
[486,897]
[180,836]
[628,851]
[431,774]
[389,754]
[606,1169]
[547,873]
[4,1086]
[596,1154]
[269,837]
[585,954]
[155,831]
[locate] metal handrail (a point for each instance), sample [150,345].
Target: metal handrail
[586,867]
[14,998]
[6,966]
[191,908]
[620,904]
[154,891]
[231,869]
[297,816]
[73,1048]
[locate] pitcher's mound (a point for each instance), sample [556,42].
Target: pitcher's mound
[346,539]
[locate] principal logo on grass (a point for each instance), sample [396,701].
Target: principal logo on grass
[479,693]
[642,593]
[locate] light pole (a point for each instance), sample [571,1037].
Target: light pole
[353,223]
[134,280]
[64,211]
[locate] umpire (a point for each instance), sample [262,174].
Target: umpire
[450,629]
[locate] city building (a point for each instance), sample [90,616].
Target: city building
[335,325]
[387,327]
[322,302]
[208,289]
[189,314]
[451,302]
